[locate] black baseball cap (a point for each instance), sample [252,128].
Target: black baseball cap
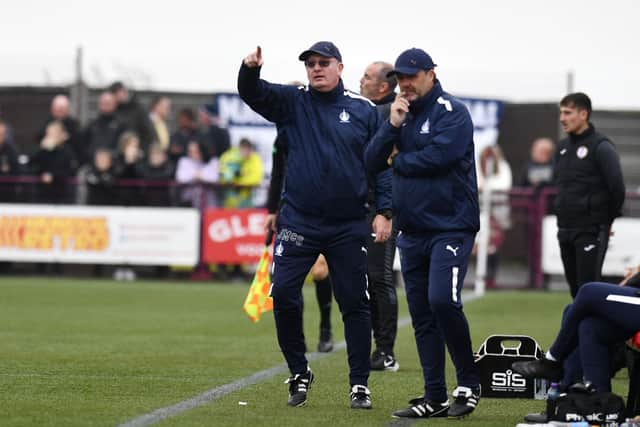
[323,48]
[411,61]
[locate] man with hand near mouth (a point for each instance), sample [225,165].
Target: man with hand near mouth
[428,142]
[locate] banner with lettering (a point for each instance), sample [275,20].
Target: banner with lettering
[243,122]
[233,236]
[486,115]
[99,235]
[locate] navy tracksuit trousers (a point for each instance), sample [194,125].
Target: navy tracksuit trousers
[433,267]
[343,243]
[601,315]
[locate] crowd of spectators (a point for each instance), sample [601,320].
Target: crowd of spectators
[128,155]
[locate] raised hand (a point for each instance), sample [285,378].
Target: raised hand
[399,110]
[254,59]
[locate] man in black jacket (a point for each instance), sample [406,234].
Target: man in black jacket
[590,192]
[590,196]
[131,114]
[8,165]
[60,110]
[104,131]
[379,88]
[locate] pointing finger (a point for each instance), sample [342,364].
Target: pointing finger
[259,53]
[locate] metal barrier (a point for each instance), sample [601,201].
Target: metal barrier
[528,207]
[128,192]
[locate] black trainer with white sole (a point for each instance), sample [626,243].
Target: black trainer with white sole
[381,361]
[299,386]
[465,401]
[421,408]
[360,397]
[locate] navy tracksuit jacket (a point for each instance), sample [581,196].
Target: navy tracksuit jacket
[323,210]
[435,204]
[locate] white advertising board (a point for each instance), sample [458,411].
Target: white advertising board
[622,253]
[99,235]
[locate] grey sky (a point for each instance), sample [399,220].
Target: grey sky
[512,50]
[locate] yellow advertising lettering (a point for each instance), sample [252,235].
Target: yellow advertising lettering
[54,232]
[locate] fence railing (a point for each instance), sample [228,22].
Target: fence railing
[124,192]
[527,207]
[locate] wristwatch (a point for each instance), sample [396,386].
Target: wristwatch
[387,213]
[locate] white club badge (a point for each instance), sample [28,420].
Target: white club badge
[425,127]
[344,117]
[582,152]
[279,249]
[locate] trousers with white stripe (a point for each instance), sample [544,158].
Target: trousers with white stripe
[601,315]
[300,239]
[433,267]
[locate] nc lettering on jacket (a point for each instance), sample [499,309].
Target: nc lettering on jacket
[290,236]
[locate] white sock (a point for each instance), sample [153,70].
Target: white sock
[550,356]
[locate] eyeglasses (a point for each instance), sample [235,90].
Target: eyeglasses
[323,63]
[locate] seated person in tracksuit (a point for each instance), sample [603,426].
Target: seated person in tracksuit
[428,142]
[601,315]
[324,205]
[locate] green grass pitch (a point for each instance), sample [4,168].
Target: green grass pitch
[98,353]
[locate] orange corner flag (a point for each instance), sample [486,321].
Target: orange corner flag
[258,300]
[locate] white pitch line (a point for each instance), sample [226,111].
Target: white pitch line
[220,391]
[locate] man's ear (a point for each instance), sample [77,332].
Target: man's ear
[584,114]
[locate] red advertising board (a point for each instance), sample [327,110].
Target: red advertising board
[233,235]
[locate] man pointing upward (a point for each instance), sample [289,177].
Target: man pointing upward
[324,204]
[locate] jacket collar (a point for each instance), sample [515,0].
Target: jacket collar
[330,96]
[577,138]
[386,100]
[427,100]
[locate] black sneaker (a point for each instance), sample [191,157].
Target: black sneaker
[537,418]
[360,397]
[325,345]
[299,386]
[541,368]
[381,361]
[465,401]
[582,388]
[421,408]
